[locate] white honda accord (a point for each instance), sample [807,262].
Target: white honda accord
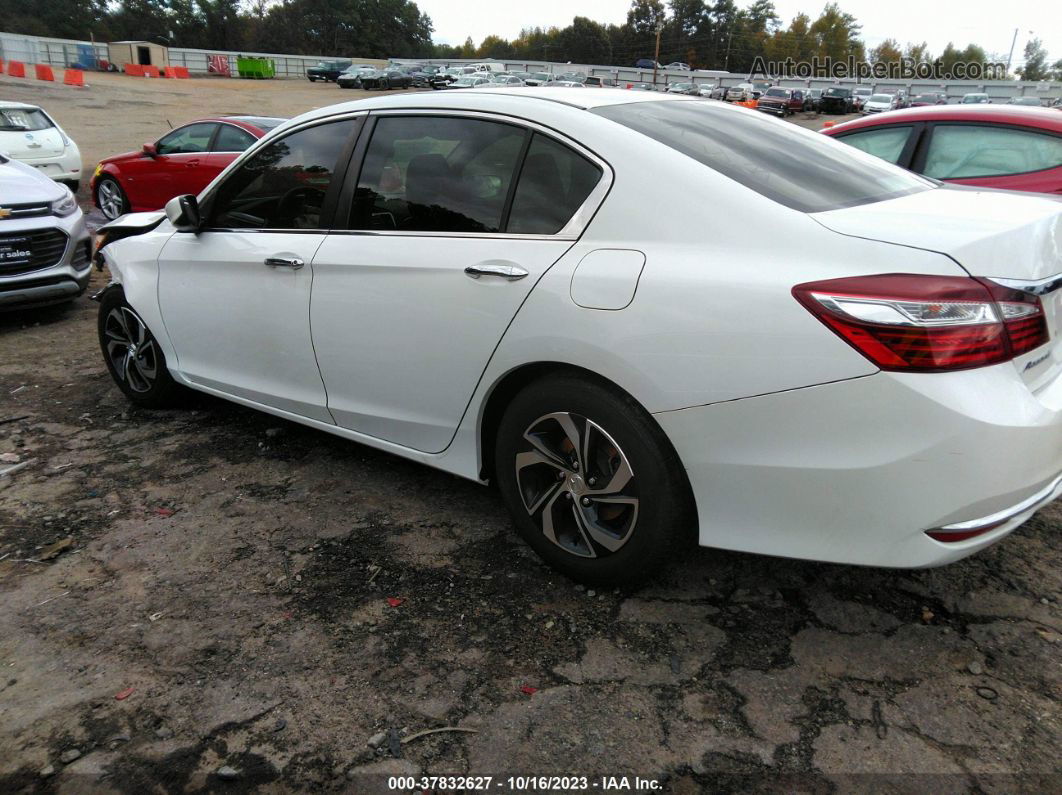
[485,282]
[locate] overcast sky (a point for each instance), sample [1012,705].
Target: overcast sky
[990,23]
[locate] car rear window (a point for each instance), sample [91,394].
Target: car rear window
[23,120]
[798,169]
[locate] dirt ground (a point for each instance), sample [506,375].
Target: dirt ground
[211,599]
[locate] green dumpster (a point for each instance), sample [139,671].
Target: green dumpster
[255,68]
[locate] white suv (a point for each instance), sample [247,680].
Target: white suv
[45,249]
[29,134]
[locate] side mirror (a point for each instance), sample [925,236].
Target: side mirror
[183,213]
[150,150]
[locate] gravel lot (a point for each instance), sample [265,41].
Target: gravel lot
[198,599]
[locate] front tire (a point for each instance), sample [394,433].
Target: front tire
[590,480]
[111,199]
[132,354]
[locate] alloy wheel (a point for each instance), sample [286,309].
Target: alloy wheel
[110,198]
[131,349]
[577,485]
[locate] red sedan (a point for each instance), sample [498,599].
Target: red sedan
[992,146]
[182,161]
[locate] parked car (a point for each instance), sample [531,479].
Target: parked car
[975,99]
[593,81]
[928,98]
[45,249]
[621,390]
[859,96]
[1032,102]
[183,160]
[468,81]
[678,65]
[781,101]
[836,99]
[647,63]
[538,79]
[351,76]
[710,91]
[643,87]
[880,103]
[29,134]
[813,100]
[488,66]
[385,80]
[327,70]
[991,146]
[759,87]
[507,80]
[682,88]
[567,84]
[742,92]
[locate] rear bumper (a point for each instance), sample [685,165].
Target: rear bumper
[857,471]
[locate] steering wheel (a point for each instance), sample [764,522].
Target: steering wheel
[286,207]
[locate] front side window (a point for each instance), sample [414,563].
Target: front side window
[232,139]
[191,139]
[884,142]
[282,185]
[436,174]
[971,150]
[801,170]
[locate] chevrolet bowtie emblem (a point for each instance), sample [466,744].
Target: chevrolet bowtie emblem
[4,212]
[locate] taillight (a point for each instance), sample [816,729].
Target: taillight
[913,323]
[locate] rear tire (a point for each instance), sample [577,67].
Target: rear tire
[133,356]
[591,482]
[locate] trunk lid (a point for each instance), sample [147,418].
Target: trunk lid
[1015,238]
[32,144]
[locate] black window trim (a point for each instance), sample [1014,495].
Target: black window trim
[918,160]
[331,197]
[571,231]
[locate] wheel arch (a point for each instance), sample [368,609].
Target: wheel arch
[517,379]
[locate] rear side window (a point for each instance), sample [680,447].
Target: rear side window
[190,139]
[972,150]
[282,185]
[554,183]
[437,174]
[804,171]
[884,142]
[232,139]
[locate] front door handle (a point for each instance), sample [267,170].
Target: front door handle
[284,262]
[192,164]
[507,271]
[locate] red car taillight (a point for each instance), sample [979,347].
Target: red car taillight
[913,323]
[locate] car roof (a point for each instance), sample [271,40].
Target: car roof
[583,100]
[21,105]
[1026,116]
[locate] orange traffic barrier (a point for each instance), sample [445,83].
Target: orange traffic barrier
[136,70]
[74,77]
[169,71]
[151,71]
[16,68]
[827,124]
[1,66]
[44,72]
[182,72]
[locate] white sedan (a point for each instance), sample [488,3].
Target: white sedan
[481,281]
[29,134]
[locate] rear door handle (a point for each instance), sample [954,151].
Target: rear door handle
[284,262]
[507,271]
[192,164]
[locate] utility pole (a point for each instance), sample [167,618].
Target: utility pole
[656,58]
[1011,54]
[726,60]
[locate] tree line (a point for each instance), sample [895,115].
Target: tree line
[707,34]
